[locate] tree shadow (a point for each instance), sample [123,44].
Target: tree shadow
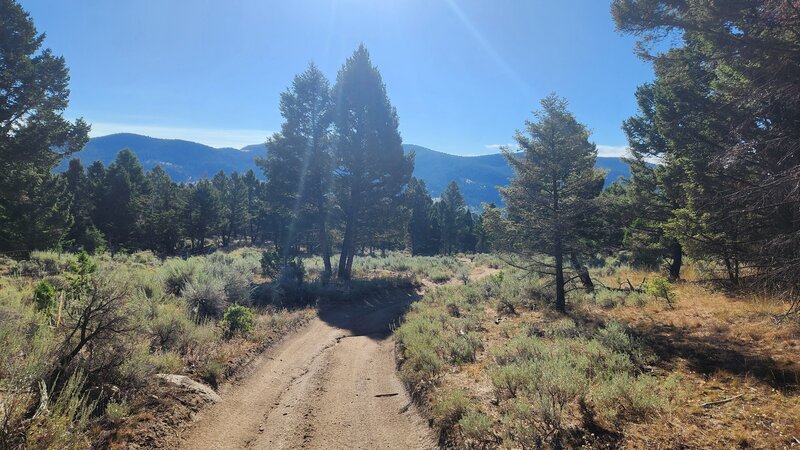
[707,354]
[372,309]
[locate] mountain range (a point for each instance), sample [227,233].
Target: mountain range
[186,161]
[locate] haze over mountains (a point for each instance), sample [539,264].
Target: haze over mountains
[477,176]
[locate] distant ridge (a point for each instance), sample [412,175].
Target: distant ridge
[477,176]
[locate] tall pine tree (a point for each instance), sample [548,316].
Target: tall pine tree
[551,199]
[371,167]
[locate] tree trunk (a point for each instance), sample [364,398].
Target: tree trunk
[583,273]
[558,253]
[561,303]
[677,261]
[323,243]
[345,258]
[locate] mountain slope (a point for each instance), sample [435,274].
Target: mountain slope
[182,160]
[477,176]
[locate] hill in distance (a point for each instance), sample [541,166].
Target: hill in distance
[186,161]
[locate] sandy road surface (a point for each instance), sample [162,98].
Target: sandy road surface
[332,385]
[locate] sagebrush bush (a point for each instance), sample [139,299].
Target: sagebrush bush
[62,424]
[116,413]
[625,397]
[476,426]
[449,407]
[205,297]
[176,274]
[168,327]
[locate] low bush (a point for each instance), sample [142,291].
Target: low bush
[238,320]
[476,427]
[205,297]
[449,408]
[660,288]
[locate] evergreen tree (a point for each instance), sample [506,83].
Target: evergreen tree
[83,234]
[255,211]
[121,202]
[727,102]
[203,213]
[655,190]
[162,218]
[551,199]
[371,167]
[452,225]
[298,164]
[34,136]
[420,228]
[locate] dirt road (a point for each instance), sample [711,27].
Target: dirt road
[330,386]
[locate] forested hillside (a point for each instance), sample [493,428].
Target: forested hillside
[184,161]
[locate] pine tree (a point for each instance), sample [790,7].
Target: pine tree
[83,234]
[121,202]
[452,225]
[727,103]
[162,213]
[419,226]
[254,205]
[203,213]
[551,199]
[371,167]
[34,136]
[298,164]
[655,190]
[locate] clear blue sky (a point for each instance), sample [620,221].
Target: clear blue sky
[463,74]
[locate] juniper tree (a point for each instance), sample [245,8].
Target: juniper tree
[371,168]
[550,202]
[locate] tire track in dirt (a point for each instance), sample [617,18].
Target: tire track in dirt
[331,385]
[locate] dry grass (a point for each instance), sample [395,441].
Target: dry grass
[708,347]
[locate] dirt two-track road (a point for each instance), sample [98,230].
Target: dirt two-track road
[331,385]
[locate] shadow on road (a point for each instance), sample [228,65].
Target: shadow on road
[372,316]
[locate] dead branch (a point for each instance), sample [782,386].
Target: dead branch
[719,402]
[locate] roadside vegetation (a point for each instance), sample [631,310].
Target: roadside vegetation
[82,337]
[494,365]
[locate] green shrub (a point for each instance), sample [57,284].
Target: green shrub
[168,326]
[44,295]
[166,362]
[63,422]
[520,419]
[661,289]
[270,264]
[116,413]
[625,398]
[464,347]
[449,407]
[616,338]
[177,273]
[476,426]
[238,320]
[213,372]
[562,328]
[512,379]
[559,379]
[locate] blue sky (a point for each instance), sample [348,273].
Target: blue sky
[463,74]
